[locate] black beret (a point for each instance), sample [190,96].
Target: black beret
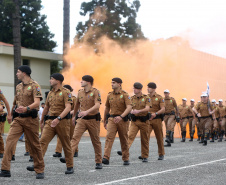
[68,87]
[152,85]
[118,80]
[137,85]
[58,76]
[26,69]
[88,78]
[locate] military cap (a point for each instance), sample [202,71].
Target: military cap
[58,76]
[137,85]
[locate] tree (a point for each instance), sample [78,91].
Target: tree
[114,18]
[16,40]
[35,32]
[66,29]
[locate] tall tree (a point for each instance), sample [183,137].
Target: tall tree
[114,18]
[66,29]
[16,40]
[35,32]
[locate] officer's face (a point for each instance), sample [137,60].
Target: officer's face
[136,91]
[166,95]
[184,102]
[204,98]
[43,105]
[220,103]
[150,90]
[115,85]
[53,82]
[19,74]
[192,103]
[84,83]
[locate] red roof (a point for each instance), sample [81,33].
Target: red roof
[6,44]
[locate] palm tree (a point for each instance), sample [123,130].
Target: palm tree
[16,40]
[66,29]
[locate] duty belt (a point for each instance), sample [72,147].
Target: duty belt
[185,117]
[3,117]
[171,113]
[97,117]
[126,118]
[190,117]
[141,118]
[206,117]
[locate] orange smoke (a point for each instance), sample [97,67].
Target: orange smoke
[170,63]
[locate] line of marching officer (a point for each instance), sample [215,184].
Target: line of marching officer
[58,118]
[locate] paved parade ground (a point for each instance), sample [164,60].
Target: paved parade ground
[185,163]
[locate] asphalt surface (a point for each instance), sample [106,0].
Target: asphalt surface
[184,163]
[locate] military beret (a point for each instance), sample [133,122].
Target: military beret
[26,69]
[152,85]
[68,87]
[137,85]
[58,76]
[116,79]
[88,78]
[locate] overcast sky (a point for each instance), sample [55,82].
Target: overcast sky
[202,22]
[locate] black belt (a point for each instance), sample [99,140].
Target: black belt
[141,118]
[96,116]
[206,117]
[113,116]
[190,117]
[185,117]
[171,113]
[3,117]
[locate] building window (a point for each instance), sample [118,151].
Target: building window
[26,62]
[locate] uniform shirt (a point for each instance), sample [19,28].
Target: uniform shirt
[74,101]
[217,111]
[2,97]
[170,104]
[222,111]
[56,101]
[157,101]
[202,108]
[184,111]
[140,103]
[87,100]
[25,93]
[190,113]
[117,102]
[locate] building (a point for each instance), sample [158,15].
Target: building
[39,61]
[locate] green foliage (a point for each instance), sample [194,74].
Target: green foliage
[35,32]
[114,18]
[56,66]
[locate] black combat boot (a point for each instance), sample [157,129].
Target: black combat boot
[216,135]
[205,139]
[171,137]
[221,136]
[212,136]
[201,138]
[183,136]
[192,135]
[167,139]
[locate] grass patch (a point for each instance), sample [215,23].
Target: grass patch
[6,127]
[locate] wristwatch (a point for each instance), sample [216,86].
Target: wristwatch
[59,118]
[156,113]
[28,108]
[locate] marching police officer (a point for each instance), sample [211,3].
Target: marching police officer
[204,112]
[28,96]
[58,107]
[88,103]
[139,120]
[118,105]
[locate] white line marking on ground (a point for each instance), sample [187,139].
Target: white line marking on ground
[156,173]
